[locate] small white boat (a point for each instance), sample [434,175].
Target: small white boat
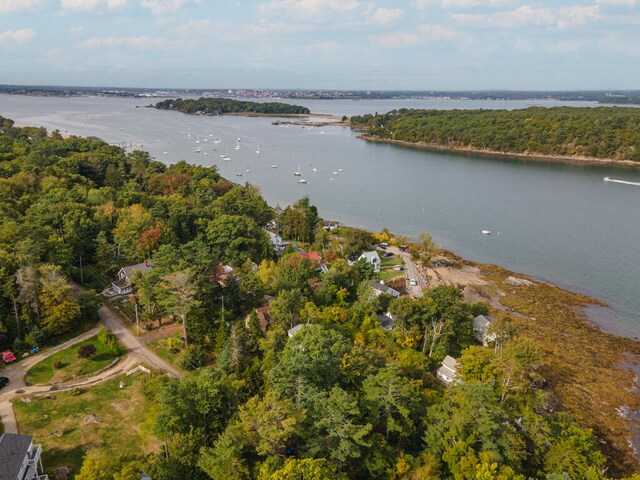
[198,150]
[302,180]
[485,232]
[258,148]
[206,153]
[298,173]
[340,170]
[624,182]
[238,174]
[248,171]
[237,147]
[274,166]
[238,139]
[336,173]
[314,169]
[165,153]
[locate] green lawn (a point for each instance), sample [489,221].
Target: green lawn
[72,365]
[61,425]
[388,266]
[158,347]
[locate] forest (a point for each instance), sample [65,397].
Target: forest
[219,106]
[601,133]
[340,398]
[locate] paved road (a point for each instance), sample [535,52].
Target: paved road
[136,353]
[411,272]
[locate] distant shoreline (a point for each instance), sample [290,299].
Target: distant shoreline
[496,153]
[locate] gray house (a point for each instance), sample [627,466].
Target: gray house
[480,326]
[20,458]
[123,285]
[448,372]
[387,321]
[379,288]
[278,244]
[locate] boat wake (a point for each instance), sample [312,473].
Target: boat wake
[613,180]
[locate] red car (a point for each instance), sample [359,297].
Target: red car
[8,356]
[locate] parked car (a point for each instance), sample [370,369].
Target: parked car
[3,382]
[387,255]
[413,282]
[399,269]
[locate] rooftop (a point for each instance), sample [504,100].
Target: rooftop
[13,449]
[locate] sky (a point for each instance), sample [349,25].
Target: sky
[323,44]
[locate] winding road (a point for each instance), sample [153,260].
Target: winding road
[136,353]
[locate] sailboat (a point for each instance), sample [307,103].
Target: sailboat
[226,156]
[298,173]
[258,148]
[302,180]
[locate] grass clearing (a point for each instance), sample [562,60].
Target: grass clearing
[159,347]
[71,365]
[64,426]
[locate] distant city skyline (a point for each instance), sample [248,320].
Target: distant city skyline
[323,44]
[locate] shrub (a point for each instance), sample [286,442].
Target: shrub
[87,351]
[108,339]
[173,344]
[58,364]
[191,358]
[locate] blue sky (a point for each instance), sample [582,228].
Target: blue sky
[330,44]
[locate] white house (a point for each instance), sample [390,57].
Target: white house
[480,325]
[279,245]
[123,285]
[373,258]
[448,372]
[20,458]
[379,288]
[294,331]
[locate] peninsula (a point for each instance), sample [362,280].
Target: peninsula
[220,106]
[602,134]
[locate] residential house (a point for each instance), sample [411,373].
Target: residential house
[448,372]
[20,458]
[330,225]
[373,258]
[294,331]
[264,317]
[124,285]
[387,321]
[222,274]
[316,258]
[380,287]
[480,326]
[277,242]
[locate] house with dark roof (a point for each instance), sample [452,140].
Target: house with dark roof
[480,326]
[124,285]
[387,321]
[448,372]
[20,458]
[379,288]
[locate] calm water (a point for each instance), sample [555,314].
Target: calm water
[557,222]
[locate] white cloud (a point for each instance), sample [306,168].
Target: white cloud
[139,43]
[8,6]
[161,8]
[385,16]
[424,34]
[194,27]
[312,8]
[425,4]
[526,15]
[76,30]
[17,36]
[628,3]
[90,4]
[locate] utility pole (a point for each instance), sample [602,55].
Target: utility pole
[135,306]
[81,275]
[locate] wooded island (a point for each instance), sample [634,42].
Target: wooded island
[219,106]
[604,133]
